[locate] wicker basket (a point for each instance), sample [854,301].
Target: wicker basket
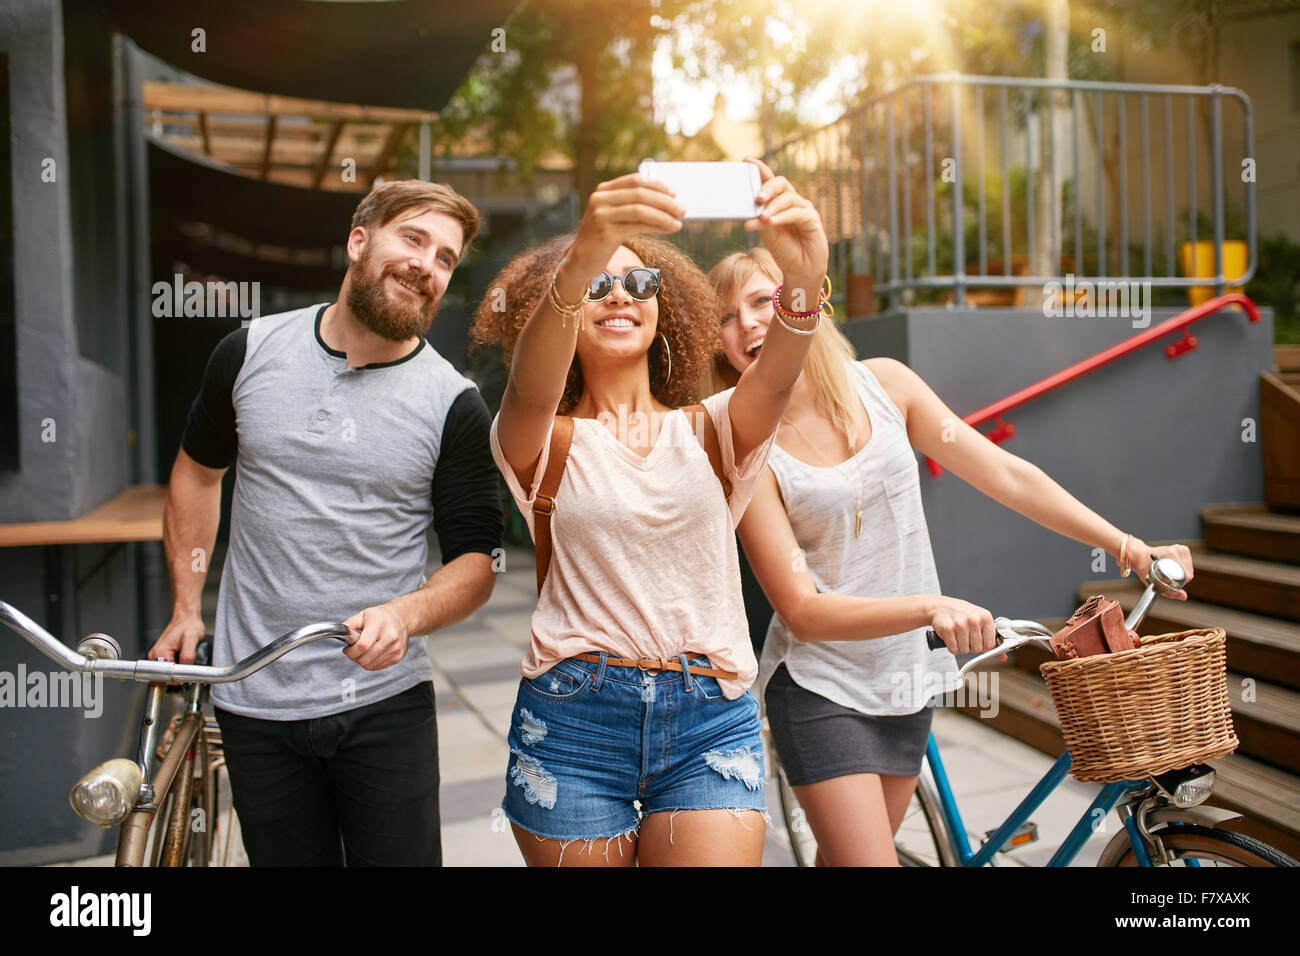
[1159,707]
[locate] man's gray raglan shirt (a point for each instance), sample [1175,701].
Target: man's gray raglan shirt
[339,473]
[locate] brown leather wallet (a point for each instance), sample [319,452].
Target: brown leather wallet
[657,664]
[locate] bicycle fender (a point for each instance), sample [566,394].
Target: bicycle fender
[1120,844]
[1200,816]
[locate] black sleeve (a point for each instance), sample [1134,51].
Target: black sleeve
[468,513]
[210,437]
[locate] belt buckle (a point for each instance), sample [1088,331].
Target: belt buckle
[646,669]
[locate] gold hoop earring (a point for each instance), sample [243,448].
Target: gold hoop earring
[668,353]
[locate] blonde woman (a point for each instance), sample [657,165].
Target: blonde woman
[837,538]
[634,735]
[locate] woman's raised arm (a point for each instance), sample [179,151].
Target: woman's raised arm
[618,209]
[792,232]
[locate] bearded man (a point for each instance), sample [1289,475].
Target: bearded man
[349,434]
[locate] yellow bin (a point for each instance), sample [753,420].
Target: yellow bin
[1234,264]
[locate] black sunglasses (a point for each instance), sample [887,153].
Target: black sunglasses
[640,283]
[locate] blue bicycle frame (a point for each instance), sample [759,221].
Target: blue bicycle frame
[1105,802]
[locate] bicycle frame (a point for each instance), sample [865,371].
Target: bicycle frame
[1105,801]
[175,770]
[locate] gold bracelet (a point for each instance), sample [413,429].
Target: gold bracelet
[1124,569]
[566,310]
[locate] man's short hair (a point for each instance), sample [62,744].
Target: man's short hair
[389,200]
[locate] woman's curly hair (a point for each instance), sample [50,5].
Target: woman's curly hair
[690,314]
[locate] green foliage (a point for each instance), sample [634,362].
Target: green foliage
[576,75]
[1277,284]
[527,101]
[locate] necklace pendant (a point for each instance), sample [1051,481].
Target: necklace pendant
[857,525]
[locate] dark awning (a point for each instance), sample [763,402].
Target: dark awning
[208,259]
[185,190]
[405,53]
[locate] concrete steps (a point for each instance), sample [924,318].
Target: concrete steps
[1252,531]
[1269,588]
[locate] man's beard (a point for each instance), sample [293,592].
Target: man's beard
[375,307]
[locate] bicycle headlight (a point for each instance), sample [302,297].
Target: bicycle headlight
[1187,787]
[1191,792]
[106,795]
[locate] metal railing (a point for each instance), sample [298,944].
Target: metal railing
[952,182]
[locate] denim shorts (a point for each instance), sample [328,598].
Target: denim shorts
[594,747]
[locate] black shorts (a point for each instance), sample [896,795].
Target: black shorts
[817,739]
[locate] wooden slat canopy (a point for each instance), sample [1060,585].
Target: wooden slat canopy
[289,140]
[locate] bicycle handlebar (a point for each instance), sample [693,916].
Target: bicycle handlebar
[1166,576]
[168,672]
[1020,632]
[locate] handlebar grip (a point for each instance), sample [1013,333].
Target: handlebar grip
[936,643]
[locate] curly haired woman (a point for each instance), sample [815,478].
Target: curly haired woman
[841,490]
[633,732]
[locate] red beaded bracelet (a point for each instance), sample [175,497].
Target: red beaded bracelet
[776,304]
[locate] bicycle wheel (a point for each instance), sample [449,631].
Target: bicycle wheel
[1191,845]
[227,845]
[922,837]
[802,842]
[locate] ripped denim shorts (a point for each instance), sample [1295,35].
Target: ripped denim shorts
[591,743]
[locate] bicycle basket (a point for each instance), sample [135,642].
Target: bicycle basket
[1158,707]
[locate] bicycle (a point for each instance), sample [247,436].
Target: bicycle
[188,787]
[1164,818]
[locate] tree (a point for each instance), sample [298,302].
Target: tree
[573,77]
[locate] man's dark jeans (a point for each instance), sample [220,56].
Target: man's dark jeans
[359,787]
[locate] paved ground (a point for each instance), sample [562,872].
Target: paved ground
[476,668]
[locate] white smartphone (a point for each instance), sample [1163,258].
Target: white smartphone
[710,190]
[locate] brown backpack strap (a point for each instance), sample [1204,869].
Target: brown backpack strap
[544,502]
[695,414]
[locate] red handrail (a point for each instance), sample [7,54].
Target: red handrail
[1005,430]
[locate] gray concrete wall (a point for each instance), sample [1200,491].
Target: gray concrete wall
[1145,441]
[32,34]
[72,344]
[87,462]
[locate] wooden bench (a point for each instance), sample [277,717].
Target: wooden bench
[134,515]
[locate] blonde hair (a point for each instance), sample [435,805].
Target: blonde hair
[826,364]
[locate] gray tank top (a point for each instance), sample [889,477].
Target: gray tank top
[891,558]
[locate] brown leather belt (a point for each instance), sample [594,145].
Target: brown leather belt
[657,664]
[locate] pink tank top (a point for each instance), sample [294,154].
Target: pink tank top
[644,549]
